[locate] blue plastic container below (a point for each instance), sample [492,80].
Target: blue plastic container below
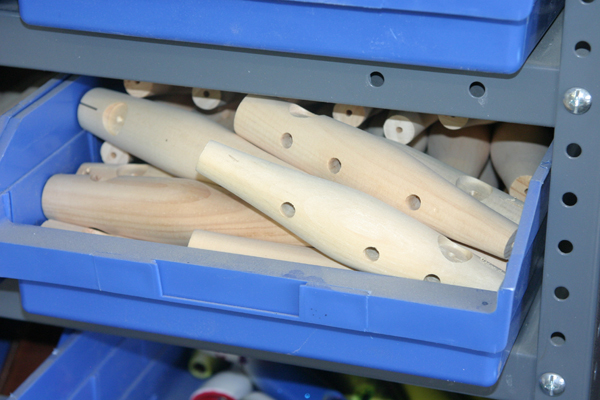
[395,324]
[491,36]
[91,366]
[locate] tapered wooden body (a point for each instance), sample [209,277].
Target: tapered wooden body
[142,89]
[100,171]
[420,141]
[499,201]
[329,149]
[165,210]
[167,137]
[260,248]
[223,115]
[454,123]
[517,151]
[467,149]
[349,226]
[350,114]
[488,175]
[111,154]
[403,127]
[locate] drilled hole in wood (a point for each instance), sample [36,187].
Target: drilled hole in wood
[113,117]
[287,140]
[348,113]
[453,251]
[432,278]
[206,93]
[288,209]
[372,253]
[399,129]
[413,202]
[113,155]
[334,165]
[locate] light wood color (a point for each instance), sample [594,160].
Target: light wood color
[100,171]
[517,151]
[141,89]
[111,154]
[165,210]
[167,137]
[454,123]
[260,248]
[209,99]
[347,225]
[467,149]
[54,224]
[351,115]
[223,115]
[497,200]
[489,176]
[403,126]
[332,150]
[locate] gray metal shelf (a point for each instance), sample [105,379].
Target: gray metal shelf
[561,333]
[526,97]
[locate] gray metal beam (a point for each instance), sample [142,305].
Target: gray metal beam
[525,97]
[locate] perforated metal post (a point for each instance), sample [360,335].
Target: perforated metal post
[568,336]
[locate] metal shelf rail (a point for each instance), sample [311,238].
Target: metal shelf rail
[558,347]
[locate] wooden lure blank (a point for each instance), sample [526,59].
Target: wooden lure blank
[223,115]
[260,248]
[350,114]
[420,141]
[141,89]
[165,210]
[345,224]
[332,150]
[403,126]
[517,151]
[111,154]
[488,175]
[209,99]
[454,123]
[100,171]
[167,137]
[466,150]
[499,201]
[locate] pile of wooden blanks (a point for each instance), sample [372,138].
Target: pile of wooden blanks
[288,184]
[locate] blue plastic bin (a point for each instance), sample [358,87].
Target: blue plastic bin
[92,366]
[395,324]
[489,36]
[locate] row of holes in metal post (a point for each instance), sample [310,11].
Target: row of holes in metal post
[569,199]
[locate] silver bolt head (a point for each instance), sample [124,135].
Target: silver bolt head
[577,100]
[552,384]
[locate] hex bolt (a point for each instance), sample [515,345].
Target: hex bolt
[552,384]
[577,100]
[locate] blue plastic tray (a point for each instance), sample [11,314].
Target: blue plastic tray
[380,322]
[489,36]
[92,366]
